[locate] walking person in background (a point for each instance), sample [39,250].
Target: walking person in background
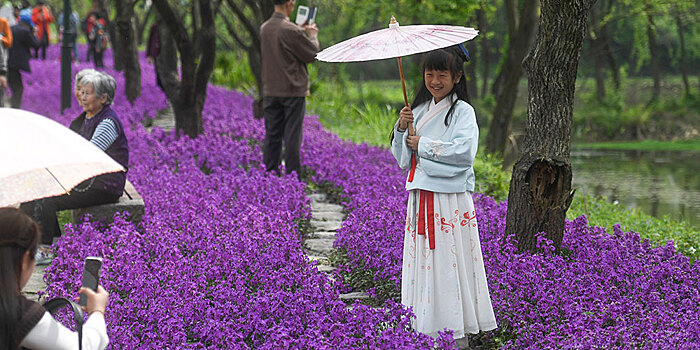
[26,324]
[98,38]
[153,49]
[286,49]
[42,17]
[443,277]
[5,44]
[23,40]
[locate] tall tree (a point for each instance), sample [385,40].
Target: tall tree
[681,38]
[187,91]
[127,42]
[540,188]
[654,54]
[250,14]
[521,24]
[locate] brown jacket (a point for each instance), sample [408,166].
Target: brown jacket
[286,49]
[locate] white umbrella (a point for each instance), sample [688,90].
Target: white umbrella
[395,42]
[42,158]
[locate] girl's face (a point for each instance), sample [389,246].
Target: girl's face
[27,270]
[440,82]
[91,103]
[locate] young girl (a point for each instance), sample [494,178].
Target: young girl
[24,323]
[443,276]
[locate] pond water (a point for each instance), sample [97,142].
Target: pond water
[658,183]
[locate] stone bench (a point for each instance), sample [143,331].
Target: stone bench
[130,201]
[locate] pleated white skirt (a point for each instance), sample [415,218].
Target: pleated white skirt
[446,286]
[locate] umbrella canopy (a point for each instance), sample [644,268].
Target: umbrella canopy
[42,158]
[396,41]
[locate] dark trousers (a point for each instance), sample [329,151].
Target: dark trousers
[2,97]
[43,52]
[43,211]
[14,80]
[97,54]
[284,117]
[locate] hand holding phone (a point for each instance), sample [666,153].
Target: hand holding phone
[91,276]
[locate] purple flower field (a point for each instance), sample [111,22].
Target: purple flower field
[217,261]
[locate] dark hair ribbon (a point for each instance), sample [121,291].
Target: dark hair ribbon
[466,53]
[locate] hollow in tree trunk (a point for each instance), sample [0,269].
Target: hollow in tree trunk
[540,188]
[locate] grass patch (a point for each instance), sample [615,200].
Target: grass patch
[600,212]
[646,145]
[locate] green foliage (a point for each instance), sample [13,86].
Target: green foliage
[600,212]
[232,70]
[649,145]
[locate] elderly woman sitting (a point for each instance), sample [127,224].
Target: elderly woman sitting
[99,124]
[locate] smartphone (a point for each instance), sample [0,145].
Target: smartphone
[305,15]
[91,276]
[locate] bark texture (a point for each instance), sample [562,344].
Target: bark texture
[522,25]
[126,31]
[540,189]
[187,91]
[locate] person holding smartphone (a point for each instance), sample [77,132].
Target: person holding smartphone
[286,49]
[24,323]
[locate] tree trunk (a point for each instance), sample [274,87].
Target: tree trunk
[540,188]
[681,37]
[470,71]
[597,50]
[653,52]
[481,19]
[197,52]
[126,31]
[512,71]
[611,58]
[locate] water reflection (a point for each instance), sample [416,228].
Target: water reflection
[659,183]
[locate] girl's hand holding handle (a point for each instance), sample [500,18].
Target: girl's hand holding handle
[406,117]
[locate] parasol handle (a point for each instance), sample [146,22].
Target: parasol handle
[405,97]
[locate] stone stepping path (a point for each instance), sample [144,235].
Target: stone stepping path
[326,219]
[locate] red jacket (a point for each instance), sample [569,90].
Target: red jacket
[42,24]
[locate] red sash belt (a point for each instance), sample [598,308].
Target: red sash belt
[413,167]
[426,200]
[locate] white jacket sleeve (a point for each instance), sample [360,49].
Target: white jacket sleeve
[50,334]
[448,158]
[399,149]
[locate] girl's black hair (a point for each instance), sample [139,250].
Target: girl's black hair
[18,235]
[450,59]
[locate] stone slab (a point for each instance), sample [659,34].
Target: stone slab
[326,207]
[321,260]
[327,216]
[323,235]
[326,225]
[325,268]
[105,212]
[35,284]
[354,296]
[319,245]
[317,197]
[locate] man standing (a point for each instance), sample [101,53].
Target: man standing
[286,48]
[42,17]
[22,40]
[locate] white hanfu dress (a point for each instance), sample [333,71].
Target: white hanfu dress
[444,284]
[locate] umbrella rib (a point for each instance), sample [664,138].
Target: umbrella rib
[59,182]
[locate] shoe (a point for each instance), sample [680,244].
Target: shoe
[44,255]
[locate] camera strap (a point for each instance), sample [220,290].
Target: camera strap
[56,304]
